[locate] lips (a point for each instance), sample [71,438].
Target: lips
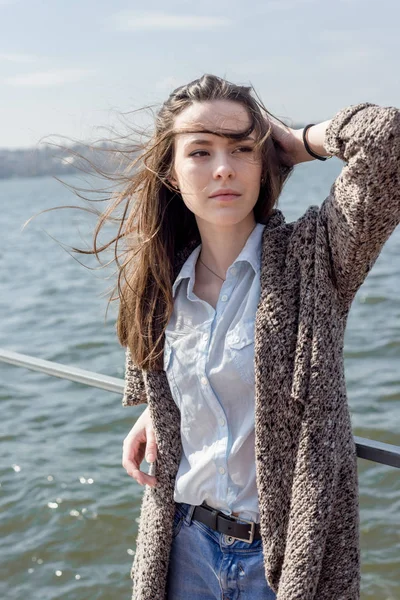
[224,192]
[225,197]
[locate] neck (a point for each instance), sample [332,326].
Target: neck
[220,246]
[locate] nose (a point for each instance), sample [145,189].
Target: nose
[223,168]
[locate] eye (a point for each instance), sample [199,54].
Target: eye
[245,149]
[241,149]
[199,152]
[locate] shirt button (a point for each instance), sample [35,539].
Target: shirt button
[222,422]
[221,470]
[233,270]
[205,336]
[224,298]
[204,380]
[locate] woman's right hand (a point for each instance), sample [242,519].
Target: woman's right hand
[140,442]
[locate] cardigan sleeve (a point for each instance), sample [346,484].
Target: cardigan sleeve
[134,389]
[363,207]
[323,496]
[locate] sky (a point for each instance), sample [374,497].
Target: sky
[73,68]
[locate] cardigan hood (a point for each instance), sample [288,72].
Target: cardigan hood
[306,460]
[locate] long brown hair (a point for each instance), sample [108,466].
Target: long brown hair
[156,224]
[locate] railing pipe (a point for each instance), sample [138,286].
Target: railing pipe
[386,454]
[104,382]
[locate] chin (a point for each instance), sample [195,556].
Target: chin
[226,220]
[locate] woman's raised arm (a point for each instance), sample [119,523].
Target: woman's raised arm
[292,140]
[363,207]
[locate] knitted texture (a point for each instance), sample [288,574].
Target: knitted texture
[305,452]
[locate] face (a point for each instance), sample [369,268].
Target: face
[205,163]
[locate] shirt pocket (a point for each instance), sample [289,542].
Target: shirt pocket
[240,342]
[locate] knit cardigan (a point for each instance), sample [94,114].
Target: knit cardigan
[305,454]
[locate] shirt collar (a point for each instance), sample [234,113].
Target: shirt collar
[250,253]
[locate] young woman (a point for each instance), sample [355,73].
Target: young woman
[233,322]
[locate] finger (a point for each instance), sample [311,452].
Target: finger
[131,466]
[133,450]
[149,480]
[151,446]
[137,435]
[142,478]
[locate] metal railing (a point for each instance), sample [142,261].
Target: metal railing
[386,454]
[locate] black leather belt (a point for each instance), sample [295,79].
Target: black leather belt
[245,532]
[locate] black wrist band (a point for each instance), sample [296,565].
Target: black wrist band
[307,147]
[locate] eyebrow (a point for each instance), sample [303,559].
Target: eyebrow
[204,142]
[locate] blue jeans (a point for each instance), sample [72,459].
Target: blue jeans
[208,565]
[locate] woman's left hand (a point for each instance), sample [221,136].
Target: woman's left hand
[290,139]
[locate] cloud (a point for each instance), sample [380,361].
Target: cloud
[128,20]
[49,78]
[18,58]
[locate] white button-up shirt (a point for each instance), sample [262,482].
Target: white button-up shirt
[209,363]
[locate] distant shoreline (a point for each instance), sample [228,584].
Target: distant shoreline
[51,160]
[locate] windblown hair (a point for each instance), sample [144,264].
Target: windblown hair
[156,224]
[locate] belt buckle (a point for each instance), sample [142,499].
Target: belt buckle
[251,530]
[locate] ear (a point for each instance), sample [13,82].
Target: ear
[173,182]
[172,179]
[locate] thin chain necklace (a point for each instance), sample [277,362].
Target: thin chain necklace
[210,269]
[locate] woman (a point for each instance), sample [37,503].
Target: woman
[233,322]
